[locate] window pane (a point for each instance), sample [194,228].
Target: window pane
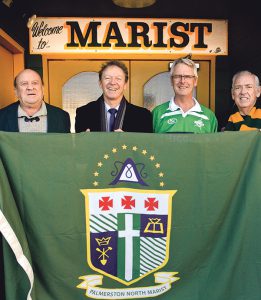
[158,90]
[80,90]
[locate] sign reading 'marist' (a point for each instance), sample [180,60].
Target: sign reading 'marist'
[122,35]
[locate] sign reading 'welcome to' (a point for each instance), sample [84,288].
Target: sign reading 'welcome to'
[106,35]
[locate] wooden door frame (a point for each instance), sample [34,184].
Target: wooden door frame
[95,56]
[15,50]
[13,47]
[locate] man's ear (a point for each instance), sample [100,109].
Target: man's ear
[196,82]
[171,81]
[232,94]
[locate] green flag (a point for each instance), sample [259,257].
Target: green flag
[131,216]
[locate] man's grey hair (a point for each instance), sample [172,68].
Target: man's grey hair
[245,72]
[185,61]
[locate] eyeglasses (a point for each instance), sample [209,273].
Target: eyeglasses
[185,77]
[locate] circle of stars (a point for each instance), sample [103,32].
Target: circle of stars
[144,152]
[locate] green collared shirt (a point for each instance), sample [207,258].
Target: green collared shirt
[169,117]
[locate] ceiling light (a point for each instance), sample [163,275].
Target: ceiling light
[8,2]
[31,21]
[134,3]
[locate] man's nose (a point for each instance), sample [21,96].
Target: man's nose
[29,86]
[243,89]
[113,80]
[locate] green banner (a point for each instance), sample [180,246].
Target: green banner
[131,216]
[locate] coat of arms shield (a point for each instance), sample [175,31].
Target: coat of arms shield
[127,231]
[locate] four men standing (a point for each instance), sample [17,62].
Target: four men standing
[112,112]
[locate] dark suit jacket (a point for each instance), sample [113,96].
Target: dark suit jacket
[58,120]
[136,119]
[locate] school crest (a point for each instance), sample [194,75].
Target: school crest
[127,229]
[128,232]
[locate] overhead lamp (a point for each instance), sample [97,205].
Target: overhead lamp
[134,3]
[31,21]
[8,3]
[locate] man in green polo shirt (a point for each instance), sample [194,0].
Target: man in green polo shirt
[183,113]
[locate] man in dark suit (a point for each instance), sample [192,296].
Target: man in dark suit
[30,113]
[112,112]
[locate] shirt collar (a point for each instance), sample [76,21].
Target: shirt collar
[41,112]
[107,106]
[173,106]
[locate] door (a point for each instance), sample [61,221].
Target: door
[11,63]
[6,82]
[73,83]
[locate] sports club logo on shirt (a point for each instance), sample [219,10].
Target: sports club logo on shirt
[172,121]
[199,123]
[127,228]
